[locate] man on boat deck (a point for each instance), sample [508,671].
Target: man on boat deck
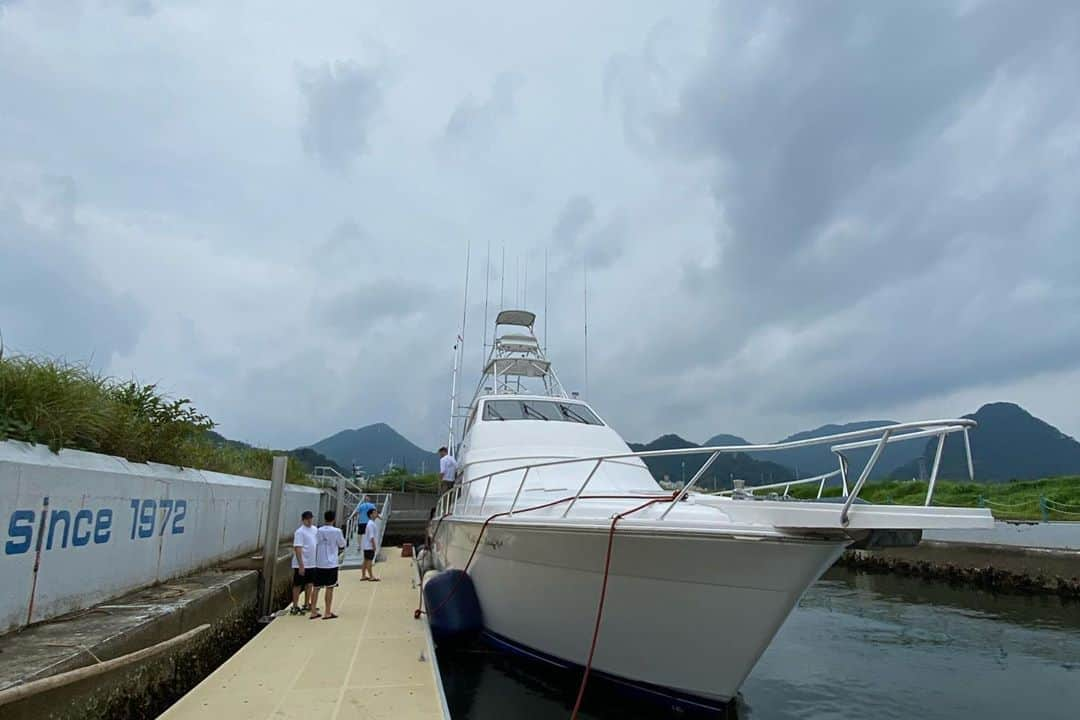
[447,469]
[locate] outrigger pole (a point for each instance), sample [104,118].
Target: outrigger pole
[459,351]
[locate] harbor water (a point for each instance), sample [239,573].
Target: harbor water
[858,646]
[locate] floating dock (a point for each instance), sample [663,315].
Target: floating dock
[374,661]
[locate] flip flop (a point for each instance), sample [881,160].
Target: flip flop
[331,616]
[315,616]
[373,579]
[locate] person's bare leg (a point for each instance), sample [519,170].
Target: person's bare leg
[330,602]
[308,589]
[314,601]
[295,596]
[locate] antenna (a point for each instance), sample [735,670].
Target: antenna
[545,300]
[487,283]
[502,277]
[525,291]
[459,348]
[585,265]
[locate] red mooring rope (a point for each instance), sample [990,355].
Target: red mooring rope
[603,586]
[603,594]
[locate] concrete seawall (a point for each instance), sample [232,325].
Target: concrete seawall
[77,528]
[1000,568]
[225,599]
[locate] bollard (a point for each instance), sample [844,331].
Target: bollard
[270,540]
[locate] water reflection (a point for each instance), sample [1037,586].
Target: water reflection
[858,646]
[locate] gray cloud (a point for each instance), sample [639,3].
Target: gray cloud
[474,121]
[342,99]
[791,214]
[888,181]
[375,300]
[52,298]
[578,237]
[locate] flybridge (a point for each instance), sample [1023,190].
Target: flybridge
[516,358]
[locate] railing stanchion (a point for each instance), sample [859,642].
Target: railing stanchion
[693,481]
[487,487]
[821,487]
[967,450]
[864,475]
[521,486]
[581,489]
[934,471]
[843,473]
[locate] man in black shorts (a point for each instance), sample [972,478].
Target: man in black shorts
[303,563]
[328,543]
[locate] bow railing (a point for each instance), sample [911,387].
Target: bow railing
[459,499]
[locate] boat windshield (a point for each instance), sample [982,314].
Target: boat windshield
[539,410]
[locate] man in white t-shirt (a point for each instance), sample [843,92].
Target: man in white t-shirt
[447,469]
[303,563]
[328,543]
[369,544]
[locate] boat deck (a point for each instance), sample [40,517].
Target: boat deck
[374,661]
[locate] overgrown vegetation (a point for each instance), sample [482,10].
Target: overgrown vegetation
[399,480]
[65,405]
[1050,498]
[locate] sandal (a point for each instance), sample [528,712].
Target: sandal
[315,616]
[331,616]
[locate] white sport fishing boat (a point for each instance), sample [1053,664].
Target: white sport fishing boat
[579,557]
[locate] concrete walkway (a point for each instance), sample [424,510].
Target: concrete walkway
[374,661]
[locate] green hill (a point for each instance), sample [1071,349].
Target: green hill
[1009,443]
[718,476]
[374,448]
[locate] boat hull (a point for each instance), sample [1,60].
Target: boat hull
[690,612]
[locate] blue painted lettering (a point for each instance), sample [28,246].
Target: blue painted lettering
[55,518]
[78,538]
[21,532]
[102,526]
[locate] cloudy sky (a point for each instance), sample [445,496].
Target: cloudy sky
[791,213]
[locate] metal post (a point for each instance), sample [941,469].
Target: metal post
[339,508]
[967,451]
[933,473]
[693,481]
[273,522]
[863,476]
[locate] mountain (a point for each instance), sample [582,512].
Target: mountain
[718,476]
[1008,443]
[725,439]
[309,458]
[312,459]
[818,459]
[374,447]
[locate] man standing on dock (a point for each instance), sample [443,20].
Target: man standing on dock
[447,469]
[362,515]
[303,563]
[328,543]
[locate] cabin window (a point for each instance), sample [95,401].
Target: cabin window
[543,410]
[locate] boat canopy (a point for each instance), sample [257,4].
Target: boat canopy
[518,366]
[524,318]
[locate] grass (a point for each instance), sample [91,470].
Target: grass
[1059,497]
[66,405]
[399,481]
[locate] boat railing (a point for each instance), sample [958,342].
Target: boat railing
[459,499]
